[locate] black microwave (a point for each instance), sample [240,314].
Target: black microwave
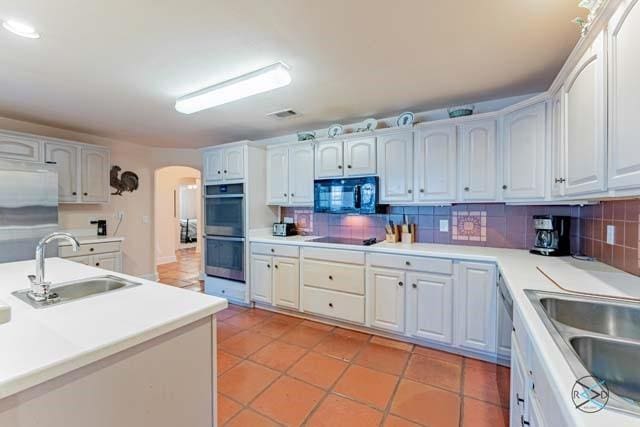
[347,195]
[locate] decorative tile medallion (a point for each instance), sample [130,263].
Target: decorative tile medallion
[303,218]
[470,226]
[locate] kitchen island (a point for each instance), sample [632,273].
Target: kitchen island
[144,355]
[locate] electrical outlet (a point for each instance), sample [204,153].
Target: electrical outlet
[611,234]
[444,225]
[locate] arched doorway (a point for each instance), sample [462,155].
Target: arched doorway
[178,226]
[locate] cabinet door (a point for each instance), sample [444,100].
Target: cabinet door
[286,282]
[106,261]
[385,299]
[395,166]
[94,171]
[476,306]
[430,307]
[360,157]
[213,165]
[65,156]
[478,160]
[557,145]
[524,143]
[436,164]
[233,163]
[261,278]
[624,96]
[518,390]
[278,176]
[301,175]
[584,103]
[19,147]
[329,159]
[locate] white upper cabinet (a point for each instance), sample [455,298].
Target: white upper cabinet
[19,147]
[301,174]
[329,160]
[213,165]
[94,173]
[585,117]
[436,164]
[557,145]
[278,175]
[224,164]
[395,166]
[386,299]
[476,306]
[65,157]
[524,142]
[430,307]
[624,96]
[234,163]
[478,160]
[360,157]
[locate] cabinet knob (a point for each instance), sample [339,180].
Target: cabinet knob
[74,193]
[225,171]
[91,249]
[422,190]
[466,188]
[409,191]
[414,286]
[407,263]
[285,194]
[348,166]
[331,304]
[292,194]
[86,194]
[504,187]
[97,264]
[268,265]
[276,266]
[330,277]
[339,166]
[272,250]
[400,284]
[219,172]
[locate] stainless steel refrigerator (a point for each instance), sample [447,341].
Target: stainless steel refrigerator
[28,208]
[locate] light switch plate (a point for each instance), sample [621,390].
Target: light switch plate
[611,234]
[444,225]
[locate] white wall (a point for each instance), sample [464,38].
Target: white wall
[168,181]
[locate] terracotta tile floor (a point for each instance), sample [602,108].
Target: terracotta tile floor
[184,272]
[276,370]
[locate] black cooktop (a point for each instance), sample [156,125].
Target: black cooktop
[346,241]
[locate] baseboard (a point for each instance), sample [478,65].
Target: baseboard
[166,259]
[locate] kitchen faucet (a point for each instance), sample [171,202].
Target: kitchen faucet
[39,287]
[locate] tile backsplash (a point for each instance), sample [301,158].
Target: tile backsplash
[494,225]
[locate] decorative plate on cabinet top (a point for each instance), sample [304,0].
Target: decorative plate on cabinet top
[335,130]
[368,125]
[405,119]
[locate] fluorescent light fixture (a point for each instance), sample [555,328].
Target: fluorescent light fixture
[21,29]
[259,81]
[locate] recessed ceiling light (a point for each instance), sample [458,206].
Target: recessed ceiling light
[259,81]
[21,29]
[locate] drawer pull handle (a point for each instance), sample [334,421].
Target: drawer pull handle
[466,189]
[348,166]
[330,277]
[519,399]
[407,263]
[400,284]
[331,304]
[91,249]
[414,286]
[523,422]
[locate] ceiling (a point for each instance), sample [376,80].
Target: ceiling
[114,68]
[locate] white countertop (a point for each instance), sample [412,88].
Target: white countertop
[39,344]
[518,268]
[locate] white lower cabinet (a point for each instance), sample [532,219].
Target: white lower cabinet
[286,282]
[106,255]
[476,307]
[261,278]
[386,299]
[430,307]
[518,405]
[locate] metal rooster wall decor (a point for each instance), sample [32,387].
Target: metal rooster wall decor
[128,181]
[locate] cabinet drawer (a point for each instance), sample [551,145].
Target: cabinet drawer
[89,249]
[230,290]
[277,250]
[432,265]
[334,304]
[335,276]
[335,255]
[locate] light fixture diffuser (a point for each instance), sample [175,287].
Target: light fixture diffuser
[259,81]
[20,29]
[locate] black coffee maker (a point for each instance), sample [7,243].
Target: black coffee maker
[552,235]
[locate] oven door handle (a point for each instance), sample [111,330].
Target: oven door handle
[225,196]
[226,239]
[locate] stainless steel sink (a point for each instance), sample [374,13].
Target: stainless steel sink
[71,291]
[598,337]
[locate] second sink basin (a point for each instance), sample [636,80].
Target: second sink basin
[611,318]
[79,289]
